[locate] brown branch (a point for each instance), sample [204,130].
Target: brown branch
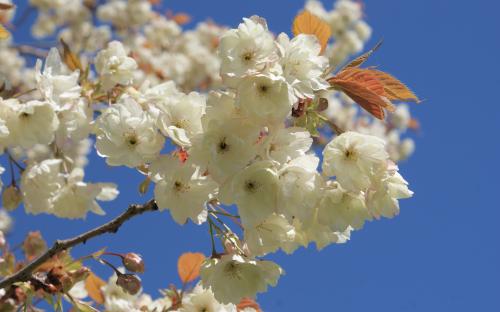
[111,227]
[29,50]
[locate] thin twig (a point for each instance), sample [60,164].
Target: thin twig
[111,227]
[211,227]
[333,126]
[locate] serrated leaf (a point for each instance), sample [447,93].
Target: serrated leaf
[70,59]
[366,98]
[308,23]
[394,88]
[362,58]
[188,266]
[363,77]
[93,286]
[4,33]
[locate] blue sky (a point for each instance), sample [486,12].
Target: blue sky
[442,253]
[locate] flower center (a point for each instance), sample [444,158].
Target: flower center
[132,140]
[24,115]
[247,57]
[251,186]
[350,154]
[263,89]
[232,270]
[222,147]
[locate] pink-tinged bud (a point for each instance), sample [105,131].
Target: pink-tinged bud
[129,283]
[133,262]
[11,198]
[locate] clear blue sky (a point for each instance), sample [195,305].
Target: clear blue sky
[442,253]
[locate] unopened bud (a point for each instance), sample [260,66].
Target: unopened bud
[133,262]
[34,245]
[67,282]
[129,283]
[11,198]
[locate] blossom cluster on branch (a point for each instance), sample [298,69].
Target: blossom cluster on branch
[256,135]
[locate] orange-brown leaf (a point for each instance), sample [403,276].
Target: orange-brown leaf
[188,266]
[308,23]
[181,18]
[363,58]
[395,89]
[364,77]
[369,100]
[70,59]
[4,33]
[6,6]
[93,286]
[248,303]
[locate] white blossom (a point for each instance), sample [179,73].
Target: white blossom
[29,123]
[225,147]
[340,209]
[202,299]
[39,183]
[303,66]
[233,277]
[245,50]
[383,202]
[269,235]
[58,88]
[127,135]
[254,190]
[266,99]
[285,144]
[75,198]
[114,66]
[182,189]
[355,159]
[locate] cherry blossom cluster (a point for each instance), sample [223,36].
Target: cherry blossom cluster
[210,116]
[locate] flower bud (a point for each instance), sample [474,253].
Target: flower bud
[34,245]
[11,198]
[67,282]
[129,283]
[133,262]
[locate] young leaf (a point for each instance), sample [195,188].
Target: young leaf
[394,89]
[364,77]
[363,86]
[4,33]
[70,59]
[308,23]
[93,286]
[368,99]
[96,255]
[362,58]
[188,266]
